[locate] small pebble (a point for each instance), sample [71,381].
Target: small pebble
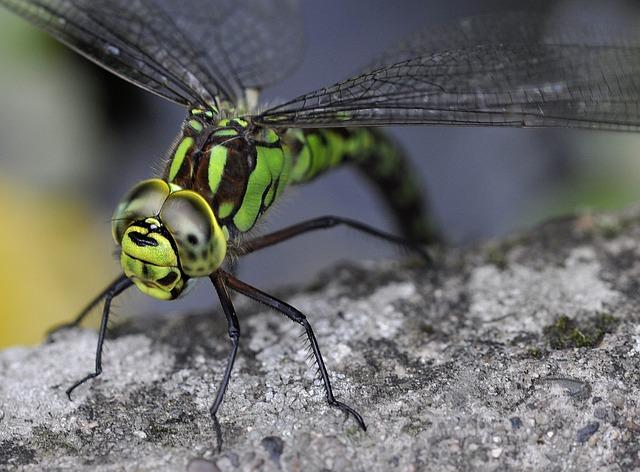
[274,446]
[140,434]
[600,413]
[516,422]
[587,431]
[497,452]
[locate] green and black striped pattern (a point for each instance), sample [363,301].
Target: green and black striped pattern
[377,157]
[241,169]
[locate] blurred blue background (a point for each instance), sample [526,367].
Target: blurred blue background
[73,139]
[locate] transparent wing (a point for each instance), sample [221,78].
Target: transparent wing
[193,52]
[514,70]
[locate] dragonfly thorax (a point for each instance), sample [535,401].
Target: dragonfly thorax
[167,236]
[238,167]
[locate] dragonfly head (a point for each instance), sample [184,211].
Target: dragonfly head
[167,237]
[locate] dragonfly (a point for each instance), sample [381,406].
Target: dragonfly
[234,158]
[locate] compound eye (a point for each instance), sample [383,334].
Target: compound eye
[143,201]
[195,230]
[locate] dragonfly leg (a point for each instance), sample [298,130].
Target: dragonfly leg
[113,291]
[87,309]
[326,222]
[218,279]
[298,317]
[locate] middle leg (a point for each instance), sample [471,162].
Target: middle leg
[298,317]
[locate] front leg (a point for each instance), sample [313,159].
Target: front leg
[233,327]
[87,309]
[115,289]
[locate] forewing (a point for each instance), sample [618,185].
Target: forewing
[193,52]
[514,70]
[240,44]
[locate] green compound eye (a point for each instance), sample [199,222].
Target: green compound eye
[142,201]
[200,241]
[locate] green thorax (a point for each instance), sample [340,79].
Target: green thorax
[240,169]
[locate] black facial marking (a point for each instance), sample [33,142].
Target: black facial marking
[142,240]
[192,238]
[168,279]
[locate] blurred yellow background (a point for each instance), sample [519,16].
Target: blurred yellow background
[54,260]
[55,248]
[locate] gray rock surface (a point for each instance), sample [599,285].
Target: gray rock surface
[518,355]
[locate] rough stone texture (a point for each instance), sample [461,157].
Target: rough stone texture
[471,366]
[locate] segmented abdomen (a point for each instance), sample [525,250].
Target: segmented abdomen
[377,157]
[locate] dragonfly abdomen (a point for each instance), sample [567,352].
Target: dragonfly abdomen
[377,157]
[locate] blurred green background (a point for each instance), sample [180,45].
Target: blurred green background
[73,139]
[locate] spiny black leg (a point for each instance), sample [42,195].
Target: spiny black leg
[233,326]
[295,315]
[326,222]
[113,291]
[87,309]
